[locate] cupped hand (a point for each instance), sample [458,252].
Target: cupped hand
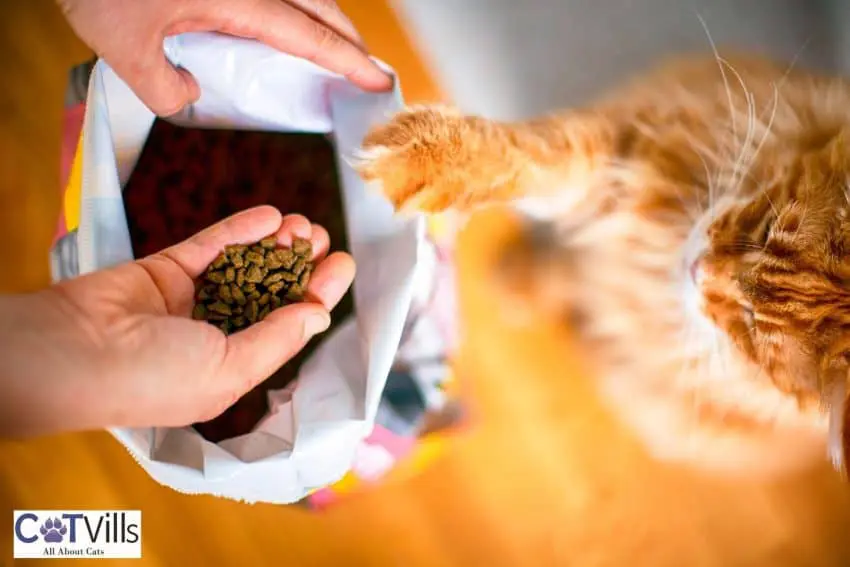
[140,360]
[129,35]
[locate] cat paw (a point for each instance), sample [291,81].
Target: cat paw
[416,160]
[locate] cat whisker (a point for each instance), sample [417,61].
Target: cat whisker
[742,246]
[769,123]
[802,221]
[794,60]
[722,64]
[708,177]
[769,200]
[761,143]
[741,82]
[738,168]
[708,181]
[722,73]
[751,122]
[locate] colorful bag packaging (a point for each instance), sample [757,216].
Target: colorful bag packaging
[356,434]
[311,434]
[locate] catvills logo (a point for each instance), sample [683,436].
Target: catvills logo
[68,534]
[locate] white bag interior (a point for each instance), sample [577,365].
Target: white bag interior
[309,438]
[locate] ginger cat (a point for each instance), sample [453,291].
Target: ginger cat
[693,226]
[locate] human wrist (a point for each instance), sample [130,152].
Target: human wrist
[43,368]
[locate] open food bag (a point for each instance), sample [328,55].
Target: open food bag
[311,434]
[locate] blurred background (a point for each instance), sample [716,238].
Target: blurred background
[514,59]
[541,475]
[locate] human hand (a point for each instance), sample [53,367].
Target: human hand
[118,348]
[128,34]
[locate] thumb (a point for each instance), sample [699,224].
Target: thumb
[256,352]
[163,88]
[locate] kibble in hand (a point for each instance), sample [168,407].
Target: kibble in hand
[246,282]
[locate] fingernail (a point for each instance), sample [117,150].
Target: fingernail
[315,323]
[387,83]
[375,79]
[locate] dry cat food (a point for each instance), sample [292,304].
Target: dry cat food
[187,179]
[246,282]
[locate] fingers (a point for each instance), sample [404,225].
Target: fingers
[331,279]
[321,243]
[292,227]
[291,30]
[297,226]
[333,274]
[195,254]
[257,352]
[175,268]
[163,88]
[327,12]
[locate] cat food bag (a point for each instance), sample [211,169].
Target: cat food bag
[388,456]
[423,408]
[311,435]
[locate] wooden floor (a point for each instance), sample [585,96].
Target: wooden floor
[545,478]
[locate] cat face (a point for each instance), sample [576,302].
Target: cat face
[774,272]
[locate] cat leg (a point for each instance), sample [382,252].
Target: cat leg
[536,274]
[434,159]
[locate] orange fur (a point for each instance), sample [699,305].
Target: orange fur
[841,462]
[698,232]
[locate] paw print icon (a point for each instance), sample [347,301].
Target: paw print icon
[53,530]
